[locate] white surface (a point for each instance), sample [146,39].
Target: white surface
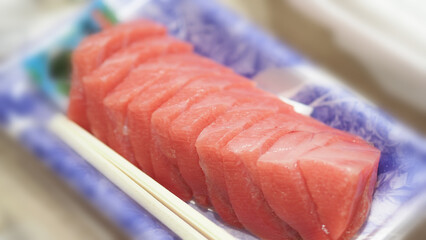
[388,37]
[22,21]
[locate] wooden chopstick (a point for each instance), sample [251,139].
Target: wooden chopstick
[124,182]
[169,209]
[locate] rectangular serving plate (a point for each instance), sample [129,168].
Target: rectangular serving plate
[219,34]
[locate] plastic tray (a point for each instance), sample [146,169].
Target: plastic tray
[223,36]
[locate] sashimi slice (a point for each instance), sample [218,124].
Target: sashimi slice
[163,68]
[283,184]
[115,107]
[336,176]
[98,84]
[284,187]
[363,208]
[140,112]
[93,51]
[151,84]
[213,139]
[188,58]
[186,128]
[169,177]
[161,119]
[244,189]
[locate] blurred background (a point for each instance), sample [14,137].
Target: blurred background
[376,47]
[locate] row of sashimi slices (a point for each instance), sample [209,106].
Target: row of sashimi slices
[206,133]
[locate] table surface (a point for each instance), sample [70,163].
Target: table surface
[35,204]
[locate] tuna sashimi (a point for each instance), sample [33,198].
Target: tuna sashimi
[115,107]
[92,52]
[363,207]
[239,162]
[336,176]
[167,174]
[188,58]
[164,68]
[141,108]
[213,139]
[98,84]
[164,116]
[208,134]
[185,129]
[279,167]
[301,215]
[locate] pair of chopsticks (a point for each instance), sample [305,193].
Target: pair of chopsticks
[177,215]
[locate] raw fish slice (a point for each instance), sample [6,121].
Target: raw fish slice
[336,176]
[170,177]
[98,84]
[144,77]
[188,58]
[115,107]
[186,128]
[162,118]
[213,139]
[239,163]
[363,207]
[192,93]
[284,186]
[141,108]
[93,51]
